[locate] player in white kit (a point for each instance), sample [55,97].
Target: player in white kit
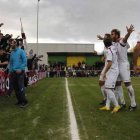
[124,67]
[118,89]
[110,75]
[101,78]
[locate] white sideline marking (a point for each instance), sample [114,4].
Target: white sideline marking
[81,120]
[73,124]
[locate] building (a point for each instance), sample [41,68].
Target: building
[70,54]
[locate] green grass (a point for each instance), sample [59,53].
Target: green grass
[46,116]
[95,124]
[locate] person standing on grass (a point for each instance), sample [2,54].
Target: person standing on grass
[124,66]
[101,79]
[110,75]
[118,89]
[18,64]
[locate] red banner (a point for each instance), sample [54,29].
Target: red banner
[33,77]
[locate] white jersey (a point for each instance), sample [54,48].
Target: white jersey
[105,52]
[122,51]
[101,78]
[107,56]
[124,67]
[112,56]
[112,74]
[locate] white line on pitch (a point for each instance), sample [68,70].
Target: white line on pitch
[73,124]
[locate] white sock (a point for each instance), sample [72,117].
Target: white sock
[103,92]
[131,95]
[116,94]
[111,96]
[108,102]
[119,92]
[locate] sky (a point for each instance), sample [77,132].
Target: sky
[69,21]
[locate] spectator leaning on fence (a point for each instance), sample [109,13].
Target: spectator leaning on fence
[18,63]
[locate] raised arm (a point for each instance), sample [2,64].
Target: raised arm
[129,31]
[99,37]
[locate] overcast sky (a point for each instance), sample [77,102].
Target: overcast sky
[69,21]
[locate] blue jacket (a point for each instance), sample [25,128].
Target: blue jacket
[18,60]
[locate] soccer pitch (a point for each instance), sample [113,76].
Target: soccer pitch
[47,115]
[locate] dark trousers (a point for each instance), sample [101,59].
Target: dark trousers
[18,85]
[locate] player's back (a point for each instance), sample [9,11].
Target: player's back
[113,56]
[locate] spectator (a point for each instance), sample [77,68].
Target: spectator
[18,63]
[4,58]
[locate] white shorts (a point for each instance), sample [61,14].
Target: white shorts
[101,75]
[124,72]
[111,78]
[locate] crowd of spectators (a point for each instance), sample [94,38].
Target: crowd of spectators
[79,70]
[6,48]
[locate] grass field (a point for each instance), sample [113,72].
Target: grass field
[46,117]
